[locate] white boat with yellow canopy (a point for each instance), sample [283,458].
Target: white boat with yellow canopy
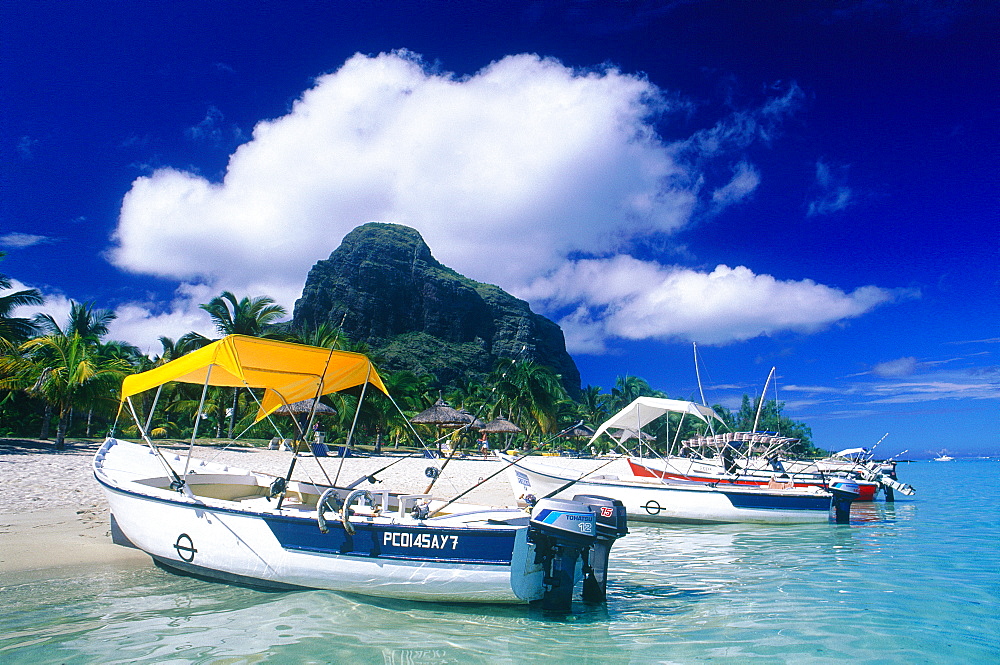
[223,523]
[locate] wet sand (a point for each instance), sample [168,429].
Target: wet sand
[53,513]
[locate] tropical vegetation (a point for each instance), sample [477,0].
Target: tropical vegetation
[67,375]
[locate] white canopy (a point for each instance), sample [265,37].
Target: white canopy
[851,451]
[627,433]
[647,409]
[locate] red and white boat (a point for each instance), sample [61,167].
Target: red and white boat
[753,459]
[712,471]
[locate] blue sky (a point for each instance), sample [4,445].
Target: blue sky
[809,186]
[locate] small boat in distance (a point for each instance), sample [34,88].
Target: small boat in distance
[754,458]
[233,525]
[943,457]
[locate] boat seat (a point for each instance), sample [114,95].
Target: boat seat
[774,484]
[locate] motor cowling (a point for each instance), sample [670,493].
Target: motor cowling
[844,492]
[567,531]
[612,524]
[563,532]
[567,522]
[612,520]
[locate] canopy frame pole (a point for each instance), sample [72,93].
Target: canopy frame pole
[295,451]
[181,485]
[371,476]
[354,423]
[409,425]
[506,466]
[677,435]
[277,430]
[295,447]
[760,404]
[309,422]
[197,418]
[152,409]
[697,373]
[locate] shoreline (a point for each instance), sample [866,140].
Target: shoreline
[54,516]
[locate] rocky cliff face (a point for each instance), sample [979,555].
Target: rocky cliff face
[383,287]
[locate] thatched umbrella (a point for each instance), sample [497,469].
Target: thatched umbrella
[500,425]
[303,407]
[300,411]
[580,431]
[440,414]
[471,420]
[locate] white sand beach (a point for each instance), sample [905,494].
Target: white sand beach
[53,514]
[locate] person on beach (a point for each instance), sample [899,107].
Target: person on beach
[484,446]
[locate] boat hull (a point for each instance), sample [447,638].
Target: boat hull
[691,470]
[693,503]
[476,559]
[419,563]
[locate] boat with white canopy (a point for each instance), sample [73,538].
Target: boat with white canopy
[235,525]
[655,499]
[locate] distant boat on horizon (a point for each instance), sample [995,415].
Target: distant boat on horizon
[942,457]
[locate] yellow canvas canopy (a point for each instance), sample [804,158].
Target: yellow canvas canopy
[289,372]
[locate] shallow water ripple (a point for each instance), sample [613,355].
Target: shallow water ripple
[913,582]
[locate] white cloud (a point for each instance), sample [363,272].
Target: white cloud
[745,180]
[56,304]
[626,298]
[209,128]
[22,240]
[140,324]
[142,327]
[505,173]
[834,195]
[896,368]
[528,158]
[930,389]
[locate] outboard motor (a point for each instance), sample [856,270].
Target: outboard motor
[562,532]
[888,469]
[844,493]
[612,524]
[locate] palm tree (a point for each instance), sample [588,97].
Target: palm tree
[15,329]
[326,336]
[69,366]
[626,389]
[593,406]
[249,316]
[531,393]
[66,371]
[171,350]
[85,321]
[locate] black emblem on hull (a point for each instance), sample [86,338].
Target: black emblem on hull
[185,548]
[652,507]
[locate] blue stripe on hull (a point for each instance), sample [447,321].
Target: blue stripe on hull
[778,502]
[389,541]
[393,541]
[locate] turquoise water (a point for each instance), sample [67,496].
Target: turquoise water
[912,582]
